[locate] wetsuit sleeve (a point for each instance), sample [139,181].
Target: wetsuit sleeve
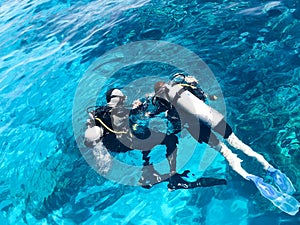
[159,106]
[197,91]
[151,106]
[193,87]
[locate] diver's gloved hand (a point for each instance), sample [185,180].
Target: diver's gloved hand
[283,183]
[284,202]
[177,182]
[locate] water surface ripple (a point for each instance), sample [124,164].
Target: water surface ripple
[46,46]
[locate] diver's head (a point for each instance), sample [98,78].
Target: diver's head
[158,86]
[115,97]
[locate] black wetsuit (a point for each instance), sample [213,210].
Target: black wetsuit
[110,140]
[134,135]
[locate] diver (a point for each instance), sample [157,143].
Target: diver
[118,129]
[202,121]
[115,126]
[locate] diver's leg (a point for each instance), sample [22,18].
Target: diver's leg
[232,159]
[172,161]
[171,142]
[234,141]
[283,201]
[205,135]
[225,130]
[280,179]
[146,158]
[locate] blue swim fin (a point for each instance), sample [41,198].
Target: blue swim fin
[283,183]
[284,202]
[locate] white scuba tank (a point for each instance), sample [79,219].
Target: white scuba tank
[187,103]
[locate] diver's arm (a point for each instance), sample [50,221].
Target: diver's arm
[202,95]
[197,90]
[140,105]
[172,161]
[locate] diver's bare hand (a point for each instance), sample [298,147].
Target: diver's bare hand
[136,104]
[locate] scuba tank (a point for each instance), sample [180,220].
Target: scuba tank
[188,104]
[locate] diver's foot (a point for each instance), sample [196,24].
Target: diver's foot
[283,201]
[282,182]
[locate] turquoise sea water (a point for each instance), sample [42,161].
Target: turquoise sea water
[252,47]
